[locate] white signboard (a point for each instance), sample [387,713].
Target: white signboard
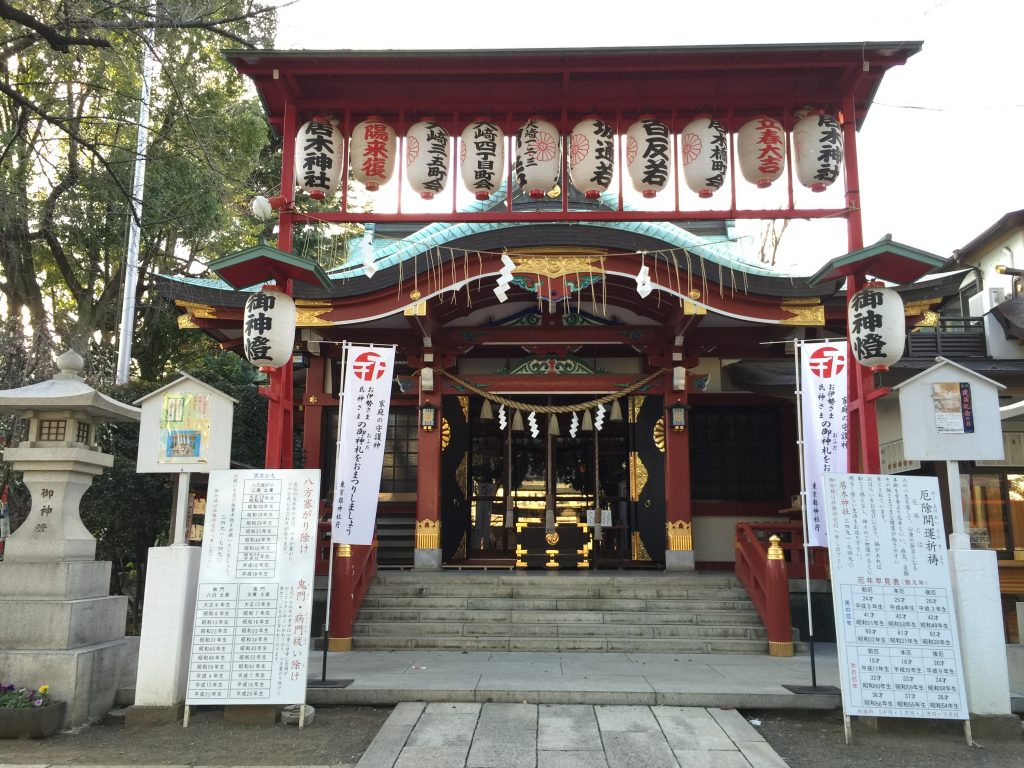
[363,429]
[823,414]
[252,622]
[899,655]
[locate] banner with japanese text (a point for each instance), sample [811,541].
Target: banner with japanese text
[254,603]
[823,413]
[365,403]
[896,631]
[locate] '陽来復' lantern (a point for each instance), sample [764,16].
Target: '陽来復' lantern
[538,157]
[268,329]
[761,146]
[877,327]
[704,150]
[648,155]
[592,156]
[426,157]
[372,153]
[482,157]
[818,149]
[318,158]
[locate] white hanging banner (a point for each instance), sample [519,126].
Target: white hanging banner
[365,402]
[823,413]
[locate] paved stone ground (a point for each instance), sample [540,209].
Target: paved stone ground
[464,735]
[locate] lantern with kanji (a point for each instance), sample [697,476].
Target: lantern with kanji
[761,145]
[592,156]
[482,157]
[648,155]
[704,150]
[818,148]
[426,157]
[372,153]
[538,157]
[318,158]
[876,326]
[268,330]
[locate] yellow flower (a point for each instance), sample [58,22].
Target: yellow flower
[44,689]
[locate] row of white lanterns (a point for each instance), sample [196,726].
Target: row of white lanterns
[761,148]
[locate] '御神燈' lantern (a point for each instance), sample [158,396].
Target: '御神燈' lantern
[268,329]
[877,327]
[648,155]
[704,150]
[318,158]
[372,153]
[761,146]
[591,156]
[482,157]
[818,146]
[538,157]
[426,157]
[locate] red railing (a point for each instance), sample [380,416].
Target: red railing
[763,572]
[792,543]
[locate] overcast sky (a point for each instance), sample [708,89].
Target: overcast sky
[940,154]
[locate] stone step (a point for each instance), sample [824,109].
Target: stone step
[557,644]
[487,629]
[573,590]
[683,605]
[561,579]
[412,614]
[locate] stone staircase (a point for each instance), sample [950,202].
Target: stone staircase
[653,612]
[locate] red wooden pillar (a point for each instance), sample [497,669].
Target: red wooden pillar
[427,554]
[339,629]
[678,506]
[313,414]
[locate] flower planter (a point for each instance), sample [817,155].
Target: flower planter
[31,722]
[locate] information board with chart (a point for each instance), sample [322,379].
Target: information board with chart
[899,654]
[250,641]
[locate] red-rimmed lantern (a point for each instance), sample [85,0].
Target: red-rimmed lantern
[818,150]
[704,150]
[426,157]
[877,327]
[538,157]
[761,146]
[648,155]
[592,156]
[482,157]
[372,153]
[268,328]
[318,157]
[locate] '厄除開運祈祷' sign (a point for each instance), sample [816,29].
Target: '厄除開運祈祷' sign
[250,642]
[899,653]
[823,413]
[363,429]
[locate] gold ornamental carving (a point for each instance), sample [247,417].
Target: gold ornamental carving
[462,476]
[638,476]
[679,535]
[446,433]
[201,311]
[312,399]
[344,550]
[913,308]
[551,538]
[460,551]
[803,312]
[464,405]
[307,313]
[428,534]
[636,402]
[552,262]
[639,550]
[691,308]
[185,322]
[659,434]
[774,548]
[930,320]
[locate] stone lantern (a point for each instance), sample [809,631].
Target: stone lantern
[60,624]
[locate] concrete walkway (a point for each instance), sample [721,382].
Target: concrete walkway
[461,735]
[650,679]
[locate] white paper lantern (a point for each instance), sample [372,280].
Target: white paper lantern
[318,158]
[818,145]
[648,155]
[482,157]
[268,329]
[372,153]
[538,157]
[877,327]
[704,149]
[761,145]
[426,157]
[592,156]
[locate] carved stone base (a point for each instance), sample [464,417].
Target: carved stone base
[427,559]
[680,560]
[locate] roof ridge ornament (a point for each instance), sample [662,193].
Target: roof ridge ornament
[70,365]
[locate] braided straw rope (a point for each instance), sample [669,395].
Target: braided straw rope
[519,406]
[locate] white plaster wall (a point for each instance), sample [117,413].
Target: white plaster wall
[713,536]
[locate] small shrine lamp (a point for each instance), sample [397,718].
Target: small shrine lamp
[428,417]
[677,416]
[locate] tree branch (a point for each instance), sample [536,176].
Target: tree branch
[56,40]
